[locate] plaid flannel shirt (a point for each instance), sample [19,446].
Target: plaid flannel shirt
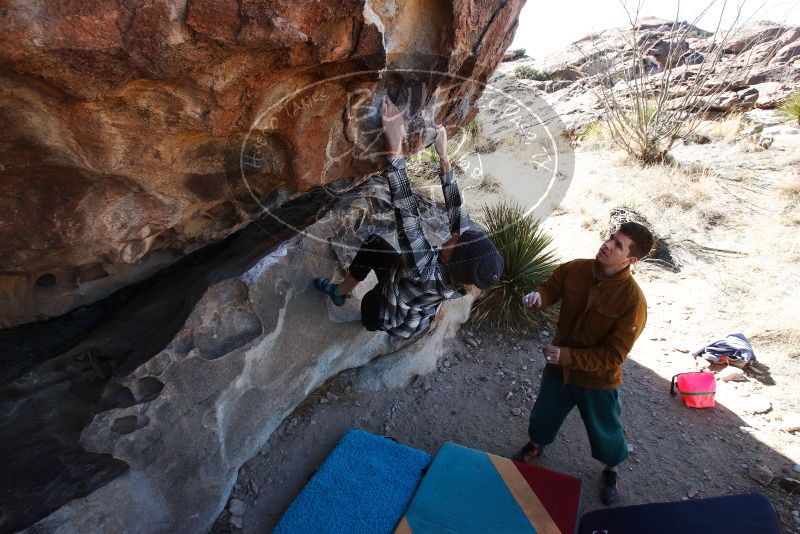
[417,284]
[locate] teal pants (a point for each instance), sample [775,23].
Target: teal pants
[600,411]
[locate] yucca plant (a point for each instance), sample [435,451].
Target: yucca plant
[529,261]
[792,107]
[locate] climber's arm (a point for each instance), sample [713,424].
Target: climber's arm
[415,250]
[453,199]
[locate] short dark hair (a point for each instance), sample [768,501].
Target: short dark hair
[642,238]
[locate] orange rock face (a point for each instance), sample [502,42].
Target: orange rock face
[133,132]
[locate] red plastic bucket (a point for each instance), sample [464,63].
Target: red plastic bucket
[697,389]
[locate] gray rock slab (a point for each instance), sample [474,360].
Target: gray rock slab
[252,349]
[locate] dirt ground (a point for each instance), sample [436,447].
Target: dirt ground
[737,203]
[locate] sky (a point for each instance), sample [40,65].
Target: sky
[547,26]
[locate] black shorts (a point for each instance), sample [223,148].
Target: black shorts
[376,254]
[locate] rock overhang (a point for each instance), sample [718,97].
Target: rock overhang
[135,134]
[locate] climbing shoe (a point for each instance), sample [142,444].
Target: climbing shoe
[608,487]
[528,453]
[329,288]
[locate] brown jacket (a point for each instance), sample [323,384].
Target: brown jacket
[600,320]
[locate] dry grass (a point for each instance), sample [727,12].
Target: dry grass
[682,196]
[690,204]
[791,188]
[512,140]
[785,340]
[596,136]
[423,167]
[790,191]
[672,199]
[488,183]
[589,220]
[595,133]
[729,129]
[769,307]
[791,216]
[681,203]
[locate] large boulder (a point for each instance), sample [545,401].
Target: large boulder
[180,423]
[733,101]
[128,128]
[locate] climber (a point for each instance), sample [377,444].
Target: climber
[413,282]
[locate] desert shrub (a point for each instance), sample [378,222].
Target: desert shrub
[423,167]
[791,188]
[488,183]
[473,128]
[426,155]
[595,131]
[423,170]
[474,139]
[791,107]
[527,72]
[529,261]
[638,129]
[648,110]
[729,128]
[469,139]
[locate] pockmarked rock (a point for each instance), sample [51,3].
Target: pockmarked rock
[224,319]
[250,351]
